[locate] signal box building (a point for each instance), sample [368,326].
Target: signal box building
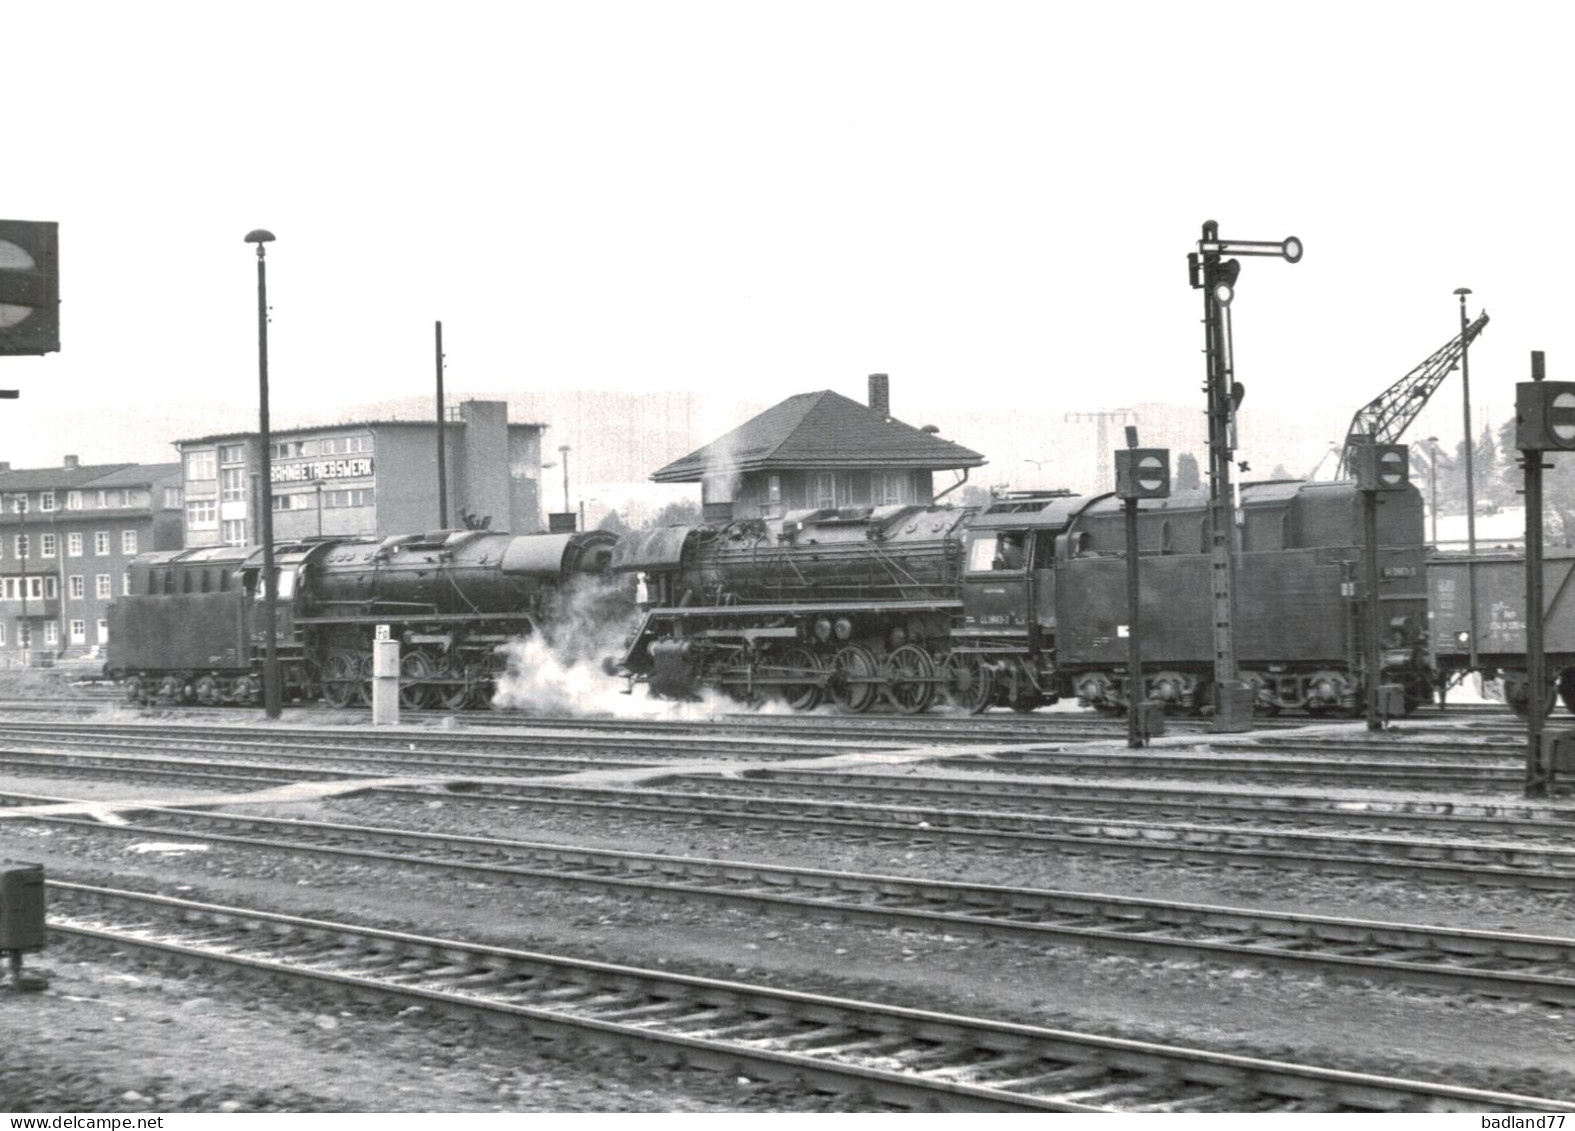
[366,478]
[67,537]
[819,451]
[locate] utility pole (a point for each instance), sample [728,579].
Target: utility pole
[442,463]
[1216,276]
[1102,417]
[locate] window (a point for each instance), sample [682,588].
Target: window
[19,504]
[202,515]
[46,500]
[290,449]
[774,494]
[888,488]
[79,631]
[232,453]
[232,484]
[22,545]
[825,495]
[125,583]
[52,586]
[34,587]
[2,632]
[74,587]
[101,587]
[103,632]
[232,532]
[344,445]
[359,497]
[290,502]
[51,632]
[46,545]
[73,500]
[201,465]
[128,541]
[73,545]
[172,498]
[101,541]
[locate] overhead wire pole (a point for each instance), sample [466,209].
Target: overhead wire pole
[1210,270]
[442,464]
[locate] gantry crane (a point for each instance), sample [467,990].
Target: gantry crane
[1385,419]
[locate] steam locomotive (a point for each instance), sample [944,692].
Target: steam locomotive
[1024,603]
[1020,604]
[192,626]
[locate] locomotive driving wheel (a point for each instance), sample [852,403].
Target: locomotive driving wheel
[341,677]
[415,693]
[796,661]
[910,679]
[968,681]
[1517,693]
[855,679]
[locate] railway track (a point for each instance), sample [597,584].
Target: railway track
[519,748]
[1494,963]
[1391,813]
[908,1056]
[1524,865]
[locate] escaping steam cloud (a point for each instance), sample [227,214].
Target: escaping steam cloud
[561,672]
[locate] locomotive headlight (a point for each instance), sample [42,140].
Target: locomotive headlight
[844,628]
[823,630]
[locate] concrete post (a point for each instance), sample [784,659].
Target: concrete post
[385,683]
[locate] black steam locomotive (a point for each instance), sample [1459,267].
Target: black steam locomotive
[1024,602]
[192,627]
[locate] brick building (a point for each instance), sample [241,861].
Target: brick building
[67,535]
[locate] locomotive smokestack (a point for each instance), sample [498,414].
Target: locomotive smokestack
[880,394]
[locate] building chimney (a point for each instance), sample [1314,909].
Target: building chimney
[880,394]
[72,462]
[5,465]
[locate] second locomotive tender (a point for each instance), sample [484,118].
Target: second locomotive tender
[191,627]
[1024,602]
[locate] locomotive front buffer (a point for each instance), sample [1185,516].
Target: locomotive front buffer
[21,920]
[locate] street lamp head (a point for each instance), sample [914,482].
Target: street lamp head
[1462,290]
[259,235]
[563,448]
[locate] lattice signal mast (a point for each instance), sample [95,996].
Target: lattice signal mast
[1385,419]
[1103,474]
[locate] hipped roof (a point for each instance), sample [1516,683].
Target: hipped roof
[815,431]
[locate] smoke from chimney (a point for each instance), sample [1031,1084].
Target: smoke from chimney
[880,394]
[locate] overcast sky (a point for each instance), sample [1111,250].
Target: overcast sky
[987,201]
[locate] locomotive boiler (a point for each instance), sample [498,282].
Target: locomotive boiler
[192,628]
[840,603]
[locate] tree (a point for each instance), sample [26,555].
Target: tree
[614,523]
[685,512]
[972,496]
[1187,472]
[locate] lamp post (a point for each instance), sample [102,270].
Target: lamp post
[1471,493]
[272,697]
